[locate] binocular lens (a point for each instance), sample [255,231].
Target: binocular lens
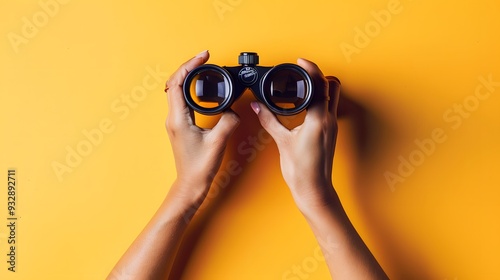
[209,88]
[287,89]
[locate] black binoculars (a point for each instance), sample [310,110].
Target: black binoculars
[286,89]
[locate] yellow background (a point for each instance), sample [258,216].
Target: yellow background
[440,223]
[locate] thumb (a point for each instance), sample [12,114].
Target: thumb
[269,121]
[226,125]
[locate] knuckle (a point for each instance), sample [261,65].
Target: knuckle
[170,83]
[230,118]
[215,143]
[265,121]
[176,79]
[173,125]
[316,125]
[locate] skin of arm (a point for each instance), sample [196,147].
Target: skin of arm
[198,155]
[306,158]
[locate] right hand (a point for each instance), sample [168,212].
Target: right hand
[306,152]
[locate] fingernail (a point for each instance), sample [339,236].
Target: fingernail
[201,54]
[255,107]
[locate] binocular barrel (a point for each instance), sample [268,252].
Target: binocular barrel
[286,89]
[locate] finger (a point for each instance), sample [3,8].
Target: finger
[226,125]
[175,96]
[334,92]
[269,121]
[319,104]
[177,79]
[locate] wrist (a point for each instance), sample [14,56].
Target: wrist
[181,203]
[329,211]
[188,194]
[311,197]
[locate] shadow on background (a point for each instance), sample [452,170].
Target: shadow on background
[377,134]
[374,135]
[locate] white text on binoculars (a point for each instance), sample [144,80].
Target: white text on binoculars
[248,72]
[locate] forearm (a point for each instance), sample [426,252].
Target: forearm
[152,253]
[346,255]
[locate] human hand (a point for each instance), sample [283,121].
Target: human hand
[306,152]
[197,152]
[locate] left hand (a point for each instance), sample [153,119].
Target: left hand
[197,152]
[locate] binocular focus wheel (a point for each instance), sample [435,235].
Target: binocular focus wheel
[286,89]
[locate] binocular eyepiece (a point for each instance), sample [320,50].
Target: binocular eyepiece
[286,89]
